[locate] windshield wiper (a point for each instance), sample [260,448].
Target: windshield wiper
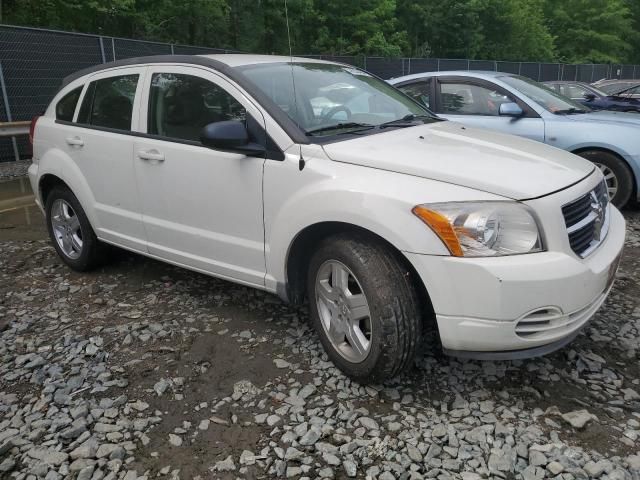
[570,111]
[403,122]
[340,126]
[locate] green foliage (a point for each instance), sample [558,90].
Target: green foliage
[534,30]
[595,31]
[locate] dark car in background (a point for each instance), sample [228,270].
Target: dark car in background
[596,98]
[628,88]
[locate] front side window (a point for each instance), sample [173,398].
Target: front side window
[108,102]
[420,91]
[66,107]
[546,98]
[470,99]
[327,99]
[181,105]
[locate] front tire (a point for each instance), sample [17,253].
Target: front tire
[617,175]
[364,306]
[70,231]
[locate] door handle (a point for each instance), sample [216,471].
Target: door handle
[151,155]
[74,141]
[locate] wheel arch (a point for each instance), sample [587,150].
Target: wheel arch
[303,245]
[619,156]
[46,183]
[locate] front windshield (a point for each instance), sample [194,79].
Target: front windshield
[333,99]
[543,96]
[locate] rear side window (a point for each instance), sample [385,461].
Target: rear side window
[108,102]
[66,107]
[181,105]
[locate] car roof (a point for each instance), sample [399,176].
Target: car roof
[482,74]
[243,59]
[567,81]
[223,62]
[615,80]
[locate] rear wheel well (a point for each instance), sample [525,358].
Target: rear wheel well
[47,183]
[305,244]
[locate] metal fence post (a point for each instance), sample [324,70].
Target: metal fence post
[7,109]
[104,58]
[438,65]
[113,48]
[173,52]
[365,62]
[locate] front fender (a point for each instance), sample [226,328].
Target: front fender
[623,140]
[372,199]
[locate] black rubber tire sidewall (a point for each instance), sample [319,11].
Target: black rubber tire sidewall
[92,250]
[393,303]
[619,169]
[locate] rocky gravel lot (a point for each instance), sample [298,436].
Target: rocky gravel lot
[142,370]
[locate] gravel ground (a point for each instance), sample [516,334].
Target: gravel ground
[142,370]
[13,169]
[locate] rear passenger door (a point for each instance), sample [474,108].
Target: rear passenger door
[101,144]
[202,207]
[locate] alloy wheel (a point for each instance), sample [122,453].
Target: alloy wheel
[66,228]
[610,179]
[344,311]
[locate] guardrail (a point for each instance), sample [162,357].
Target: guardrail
[11,130]
[14,129]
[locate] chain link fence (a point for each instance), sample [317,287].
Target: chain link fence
[33,63]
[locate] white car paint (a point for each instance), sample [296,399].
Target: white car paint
[236,217]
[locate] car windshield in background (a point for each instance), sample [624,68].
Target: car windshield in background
[543,96]
[334,99]
[632,89]
[615,87]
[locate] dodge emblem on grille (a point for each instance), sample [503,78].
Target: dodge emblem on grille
[598,209]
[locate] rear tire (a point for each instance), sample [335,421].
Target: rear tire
[364,305]
[617,174]
[70,231]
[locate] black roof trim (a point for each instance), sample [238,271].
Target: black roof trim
[289,126]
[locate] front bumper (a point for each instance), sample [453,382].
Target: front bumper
[519,306]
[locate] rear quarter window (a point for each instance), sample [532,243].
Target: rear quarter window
[66,106]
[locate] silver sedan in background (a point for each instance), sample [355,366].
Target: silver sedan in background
[520,106]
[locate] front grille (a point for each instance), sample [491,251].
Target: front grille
[587,220]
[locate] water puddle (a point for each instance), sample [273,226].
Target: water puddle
[17,204]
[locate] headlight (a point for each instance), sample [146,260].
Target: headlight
[482,229]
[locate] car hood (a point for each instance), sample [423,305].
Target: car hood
[501,164]
[608,117]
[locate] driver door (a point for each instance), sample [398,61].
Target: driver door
[476,103]
[202,208]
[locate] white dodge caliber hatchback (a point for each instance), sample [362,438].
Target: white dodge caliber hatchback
[319,181]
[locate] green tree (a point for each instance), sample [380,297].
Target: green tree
[596,31]
[514,30]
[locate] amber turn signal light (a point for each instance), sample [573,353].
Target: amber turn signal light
[442,227]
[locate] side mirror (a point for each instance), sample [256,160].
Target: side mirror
[230,136]
[511,109]
[589,96]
